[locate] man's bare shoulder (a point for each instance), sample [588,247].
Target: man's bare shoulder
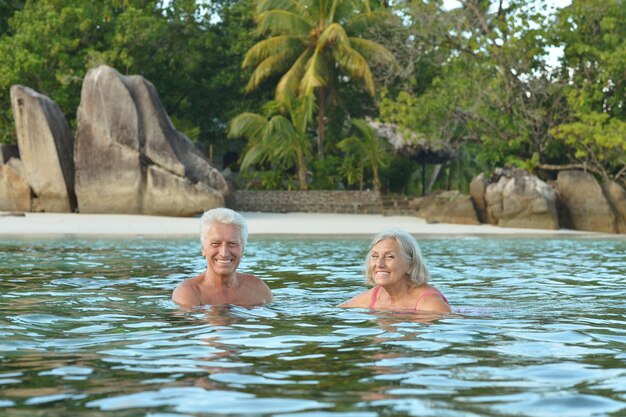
[258,285]
[186,293]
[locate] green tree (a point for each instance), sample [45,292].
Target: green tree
[191,51]
[280,138]
[599,142]
[594,65]
[368,149]
[7,9]
[310,43]
[485,81]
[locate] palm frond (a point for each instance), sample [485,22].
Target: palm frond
[364,22]
[356,66]
[335,35]
[246,125]
[282,22]
[316,74]
[272,65]
[287,88]
[373,52]
[344,9]
[284,45]
[280,127]
[303,111]
[253,155]
[294,6]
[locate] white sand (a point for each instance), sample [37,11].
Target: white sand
[49,224]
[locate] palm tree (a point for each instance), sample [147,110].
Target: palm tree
[279,138]
[368,148]
[310,43]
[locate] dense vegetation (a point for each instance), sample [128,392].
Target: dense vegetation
[286,89]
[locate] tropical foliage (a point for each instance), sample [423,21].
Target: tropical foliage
[279,140]
[365,149]
[310,44]
[480,79]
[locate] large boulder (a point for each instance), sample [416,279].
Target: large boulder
[46,149]
[131,159]
[15,193]
[447,207]
[478,187]
[518,199]
[616,196]
[584,203]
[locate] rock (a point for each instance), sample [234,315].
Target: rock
[478,186]
[584,203]
[447,207]
[15,193]
[45,147]
[521,200]
[616,196]
[131,159]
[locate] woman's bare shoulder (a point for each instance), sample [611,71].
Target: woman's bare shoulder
[361,300]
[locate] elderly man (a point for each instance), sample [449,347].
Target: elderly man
[224,234]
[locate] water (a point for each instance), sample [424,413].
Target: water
[87,328]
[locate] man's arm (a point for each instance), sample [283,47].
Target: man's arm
[268,297]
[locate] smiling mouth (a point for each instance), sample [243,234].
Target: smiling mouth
[224,261]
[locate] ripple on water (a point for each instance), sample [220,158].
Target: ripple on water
[198,400]
[88,326]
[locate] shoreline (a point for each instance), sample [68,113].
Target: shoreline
[259,224]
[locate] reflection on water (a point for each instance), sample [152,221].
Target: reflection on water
[87,328]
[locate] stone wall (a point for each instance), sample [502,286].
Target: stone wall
[316,201]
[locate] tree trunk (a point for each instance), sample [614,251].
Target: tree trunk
[321,98]
[302,172]
[376,179]
[433,178]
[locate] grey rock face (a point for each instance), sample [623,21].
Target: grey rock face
[131,159]
[616,196]
[478,187]
[519,199]
[584,202]
[46,149]
[15,194]
[447,207]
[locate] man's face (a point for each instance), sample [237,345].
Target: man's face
[222,249]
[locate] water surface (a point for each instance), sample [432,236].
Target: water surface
[87,328]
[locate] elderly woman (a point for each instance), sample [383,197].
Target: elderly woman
[394,266]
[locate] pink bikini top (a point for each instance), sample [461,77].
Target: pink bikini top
[426,293]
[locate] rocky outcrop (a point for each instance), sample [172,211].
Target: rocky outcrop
[447,207]
[584,204]
[131,159]
[45,147]
[15,193]
[478,187]
[517,199]
[616,197]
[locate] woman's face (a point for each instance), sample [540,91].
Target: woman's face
[387,264]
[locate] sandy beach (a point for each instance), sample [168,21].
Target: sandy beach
[59,224]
